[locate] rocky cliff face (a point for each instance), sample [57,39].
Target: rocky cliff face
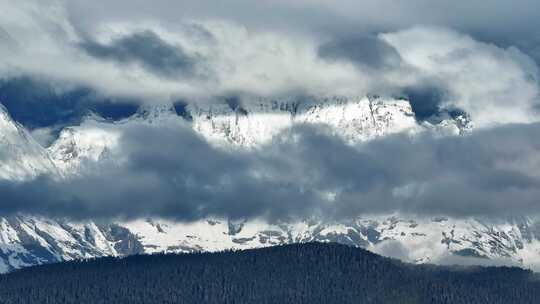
[28,240]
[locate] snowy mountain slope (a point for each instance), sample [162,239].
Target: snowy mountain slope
[246,125]
[255,122]
[74,146]
[28,240]
[251,123]
[420,239]
[95,138]
[20,155]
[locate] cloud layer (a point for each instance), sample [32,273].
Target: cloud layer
[149,50]
[119,52]
[172,172]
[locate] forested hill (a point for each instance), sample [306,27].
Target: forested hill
[302,273]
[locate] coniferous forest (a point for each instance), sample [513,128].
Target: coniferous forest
[302,273]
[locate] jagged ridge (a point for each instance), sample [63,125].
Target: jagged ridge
[27,240]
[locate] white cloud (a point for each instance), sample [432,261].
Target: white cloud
[257,62]
[492,84]
[392,249]
[495,85]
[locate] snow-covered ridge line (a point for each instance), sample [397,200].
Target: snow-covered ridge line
[255,122]
[29,240]
[21,156]
[246,125]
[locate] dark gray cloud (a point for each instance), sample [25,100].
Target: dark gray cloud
[149,50]
[172,172]
[365,51]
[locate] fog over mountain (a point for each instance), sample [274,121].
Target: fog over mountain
[374,115]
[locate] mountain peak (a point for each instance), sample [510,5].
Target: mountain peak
[155,111]
[6,122]
[22,156]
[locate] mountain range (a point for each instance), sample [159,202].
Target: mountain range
[234,124]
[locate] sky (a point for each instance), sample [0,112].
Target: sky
[60,59]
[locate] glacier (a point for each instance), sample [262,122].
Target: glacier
[27,240]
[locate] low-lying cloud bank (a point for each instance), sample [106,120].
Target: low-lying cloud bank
[171,172]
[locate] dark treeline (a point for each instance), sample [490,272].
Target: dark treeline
[302,273]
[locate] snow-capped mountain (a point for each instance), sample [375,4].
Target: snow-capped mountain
[28,240]
[20,155]
[257,121]
[95,138]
